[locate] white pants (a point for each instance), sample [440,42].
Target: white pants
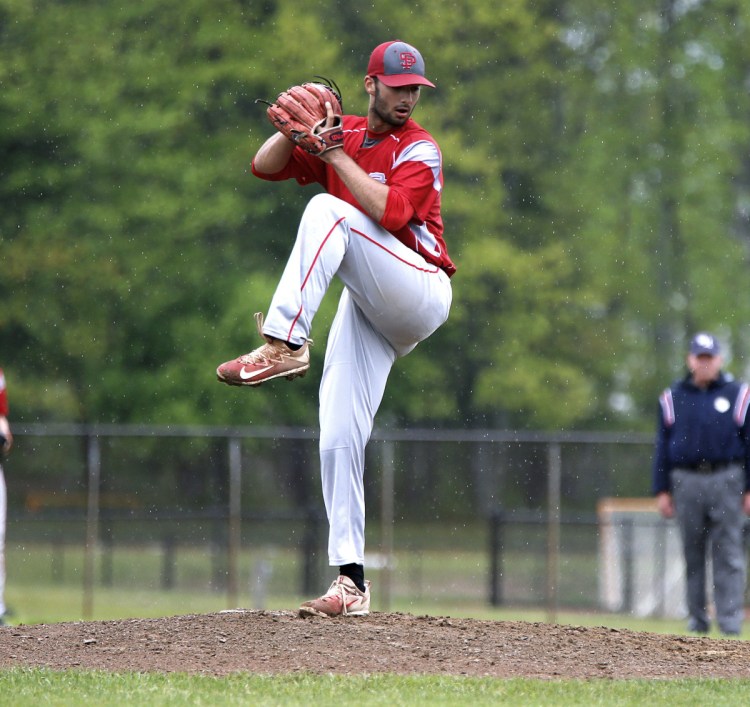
[392,300]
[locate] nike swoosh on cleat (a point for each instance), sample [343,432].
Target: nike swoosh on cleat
[252,374]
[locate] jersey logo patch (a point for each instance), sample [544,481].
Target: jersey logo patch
[721,405]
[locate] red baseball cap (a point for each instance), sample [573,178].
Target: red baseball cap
[397,64]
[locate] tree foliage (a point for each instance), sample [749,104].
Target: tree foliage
[596,202]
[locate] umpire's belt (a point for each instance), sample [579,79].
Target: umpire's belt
[709,467]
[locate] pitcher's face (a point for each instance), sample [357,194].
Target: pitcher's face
[390,107]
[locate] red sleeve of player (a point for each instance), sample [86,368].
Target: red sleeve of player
[412,185]
[305,168]
[3,396]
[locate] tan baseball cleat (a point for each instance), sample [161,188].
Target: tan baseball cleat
[342,599]
[272,360]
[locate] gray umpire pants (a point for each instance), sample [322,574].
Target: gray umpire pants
[709,512]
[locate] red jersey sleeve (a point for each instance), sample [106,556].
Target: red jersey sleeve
[412,211]
[412,195]
[305,168]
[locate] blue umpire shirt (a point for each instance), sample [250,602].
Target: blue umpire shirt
[699,427]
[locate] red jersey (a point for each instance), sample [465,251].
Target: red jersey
[407,159]
[3,396]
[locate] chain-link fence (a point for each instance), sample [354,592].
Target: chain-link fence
[240,511]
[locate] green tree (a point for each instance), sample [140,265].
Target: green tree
[595,202]
[130,226]
[657,123]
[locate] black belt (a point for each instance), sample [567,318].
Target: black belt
[708,467]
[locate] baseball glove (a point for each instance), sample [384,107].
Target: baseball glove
[300,114]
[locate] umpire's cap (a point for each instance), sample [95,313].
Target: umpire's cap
[704,344]
[397,64]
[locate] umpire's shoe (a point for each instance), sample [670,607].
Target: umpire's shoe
[275,359]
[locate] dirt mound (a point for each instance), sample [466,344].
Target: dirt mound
[280,642]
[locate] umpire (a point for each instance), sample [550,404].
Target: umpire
[701,475]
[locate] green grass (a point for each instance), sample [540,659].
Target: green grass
[20,687]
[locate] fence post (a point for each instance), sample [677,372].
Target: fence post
[496,557]
[386,524]
[627,562]
[554,497]
[93,463]
[660,573]
[219,544]
[235,520]
[311,544]
[108,547]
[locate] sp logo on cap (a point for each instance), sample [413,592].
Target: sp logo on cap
[398,64]
[407,60]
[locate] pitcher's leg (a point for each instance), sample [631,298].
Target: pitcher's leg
[321,243]
[358,361]
[404,297]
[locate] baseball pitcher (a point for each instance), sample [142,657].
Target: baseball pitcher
[379,229]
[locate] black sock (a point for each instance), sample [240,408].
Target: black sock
[294,347]
[356,573]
